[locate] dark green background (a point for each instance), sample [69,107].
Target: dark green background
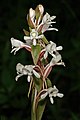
[14,104]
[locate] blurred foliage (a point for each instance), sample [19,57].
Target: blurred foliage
[14,103]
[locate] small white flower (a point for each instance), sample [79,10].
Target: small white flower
[52,92]
[26,70]
[47,23]
[17,45]
[33,36]
[50,48]
[56,60]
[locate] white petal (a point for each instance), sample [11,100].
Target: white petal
[53,55]
[13,50]
[61,63]
[29,78]
[45,17]
[16,43]
[50,90]
[19,67]
[34,42]
[52,29]
[59,48]
[16,50]
[26,38]
[40,36]
[49,23]
[60,95]
[36,74]
[17,77]
[45,55]
[54,87]
[52,17]
[51,100]
[31,13]
[58,58]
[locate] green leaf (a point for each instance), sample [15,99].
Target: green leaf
[49,84]
[38,83]
[35,53]
[40,109]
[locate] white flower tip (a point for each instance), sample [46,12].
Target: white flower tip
[54,87]
[51,42]
[28,78]
[63,64]
[16,78]
[59,48]
[41,8]
[56,29]
[51,100]
[25,38]
[12,39]
[31,12]
[60,95]
[34,42]
[14,53]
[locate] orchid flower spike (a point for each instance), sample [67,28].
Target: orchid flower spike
[33,36]
[52,92]
[50,48]
[26,70]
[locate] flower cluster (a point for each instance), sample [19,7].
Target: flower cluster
[41,49]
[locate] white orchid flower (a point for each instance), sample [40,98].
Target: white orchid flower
[47,23]
[26,70]
[17,45]
[57,60]
[50,48]
[52,92]
[33,36]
